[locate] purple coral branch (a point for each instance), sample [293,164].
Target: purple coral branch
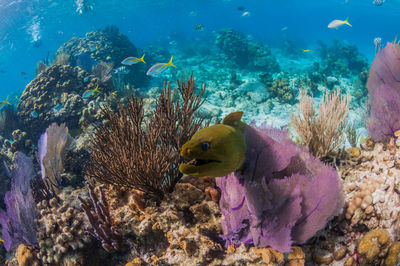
[100,220]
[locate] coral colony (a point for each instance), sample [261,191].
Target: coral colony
[99,171]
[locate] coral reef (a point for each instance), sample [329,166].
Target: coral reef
[244,53]
[8,121]
[342,59]
[182,230]
[19,142]
[61,227]
[281,89]
[107,45]
[55,96]
[146,212]
[360,87]
[371,187]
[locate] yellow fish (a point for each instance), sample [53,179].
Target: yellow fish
[337,23]
[114,93]
[306,50]
[199,27]
[132,60]
[159,67]
[5,101]
[89,93]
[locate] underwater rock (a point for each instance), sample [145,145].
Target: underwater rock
[110,46]
[261,58]
[20,141]
[75,159]
[342,59]
[234,45]
[55,96]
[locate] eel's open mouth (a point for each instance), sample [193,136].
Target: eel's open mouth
[199,162]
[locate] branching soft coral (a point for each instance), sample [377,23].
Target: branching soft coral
[321,132]
[144,154]
[98,214]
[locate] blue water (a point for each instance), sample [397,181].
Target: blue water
[30,29]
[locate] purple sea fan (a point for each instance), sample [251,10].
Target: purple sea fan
[18,222]
[384,89]
[283,195]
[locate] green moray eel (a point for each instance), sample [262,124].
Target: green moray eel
[216,150]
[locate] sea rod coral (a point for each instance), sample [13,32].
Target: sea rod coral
[98,214]
[273,193]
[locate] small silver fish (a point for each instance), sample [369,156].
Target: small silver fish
[334,24]
[378,2]
[122,70]
[246,14]
[377,42]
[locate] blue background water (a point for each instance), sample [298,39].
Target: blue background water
[148,22]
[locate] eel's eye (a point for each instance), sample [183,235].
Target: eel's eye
[205,146]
